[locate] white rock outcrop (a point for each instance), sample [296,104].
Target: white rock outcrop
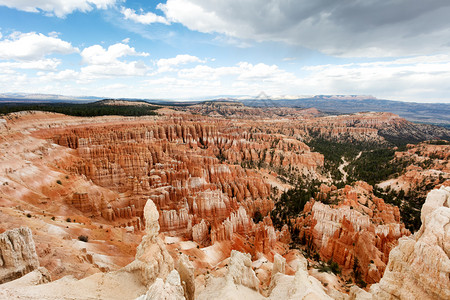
[299,286]
[152,258]
[17,254]
[279,264]
[240,270]
[240,282]
[419,267]
[170,290]
[186,271]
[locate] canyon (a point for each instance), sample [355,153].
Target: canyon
[181,204]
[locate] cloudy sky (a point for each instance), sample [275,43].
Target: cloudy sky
[391,49]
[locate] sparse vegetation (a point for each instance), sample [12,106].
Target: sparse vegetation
[409,203]
[292,202]
[375,166]
[331,267]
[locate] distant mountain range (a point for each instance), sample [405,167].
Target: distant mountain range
[431,113]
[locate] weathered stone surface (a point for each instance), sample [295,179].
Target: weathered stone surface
[17,254]
[279,264]
[169,290]
[299,286]
[240,270]
[419,267]
[186,271]
[152,259]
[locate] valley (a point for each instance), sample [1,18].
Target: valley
[236,199]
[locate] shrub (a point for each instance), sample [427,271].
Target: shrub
[68,220]
[83,238]
[58,181]
[28,215]
[335,267]
[257,217]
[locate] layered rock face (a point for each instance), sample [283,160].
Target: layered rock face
[238,110]
[206,180]
[17,254]
[357,233]
[419,267]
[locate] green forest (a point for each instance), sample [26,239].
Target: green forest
[80,110]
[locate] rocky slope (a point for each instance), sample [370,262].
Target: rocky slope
[418,268]
[152,275]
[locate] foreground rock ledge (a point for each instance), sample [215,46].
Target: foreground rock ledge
[418,268]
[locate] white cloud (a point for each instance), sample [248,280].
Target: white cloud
[42,64]
[263,72]
[63,76]
[193,16]
[415,78]
[167,64]
[103,62]
[243,71]
[147,18]
[207,72]
[117,69]
[32,46]
[97,55]
[343,28]
[59,8]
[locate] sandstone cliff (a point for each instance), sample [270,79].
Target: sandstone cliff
[358,232]
[419,267]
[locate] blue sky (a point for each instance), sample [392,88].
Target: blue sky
[180,49]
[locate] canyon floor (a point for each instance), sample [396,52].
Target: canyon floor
[220,200]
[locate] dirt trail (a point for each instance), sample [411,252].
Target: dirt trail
[346,163]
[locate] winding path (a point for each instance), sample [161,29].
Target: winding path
[346,163]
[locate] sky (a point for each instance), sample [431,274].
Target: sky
[184,49]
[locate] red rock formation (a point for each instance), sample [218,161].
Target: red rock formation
[176,163]
[361,226]
[428,167]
